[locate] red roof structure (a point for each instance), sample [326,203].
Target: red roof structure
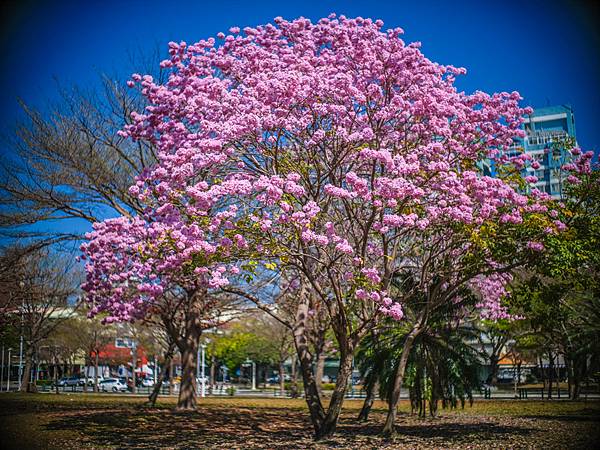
[110,353]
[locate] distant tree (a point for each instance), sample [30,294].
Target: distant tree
[560,296]
[279,339]
[244,342]
[67,162]
[41,284]
[498,334]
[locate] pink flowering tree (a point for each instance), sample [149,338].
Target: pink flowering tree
[168,263]
[334,151]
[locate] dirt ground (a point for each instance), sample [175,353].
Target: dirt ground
[47,421]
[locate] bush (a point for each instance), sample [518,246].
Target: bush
[288,385]
[230,391]
[300,385]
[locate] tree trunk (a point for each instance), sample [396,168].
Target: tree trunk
[294,379]
[373,384]
[576,385]
[187,388]
[171,376]
[26,384]
[550,374]
[570,372]
[85,374]
[187,343]
[543,374]
[337,398]
[213,368]
[56,374]
[96,365]
[311,393]
[388,428]
[188,346]
[319,371]
[294,372]
[281,378]
[372,389]
[157,387]
[494,369]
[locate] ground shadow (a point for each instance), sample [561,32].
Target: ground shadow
[159,429]
[254,428]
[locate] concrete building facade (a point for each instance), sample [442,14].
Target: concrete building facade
[550,135]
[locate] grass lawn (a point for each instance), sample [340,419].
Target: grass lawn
[78,421]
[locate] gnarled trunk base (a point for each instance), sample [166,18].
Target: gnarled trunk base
[363,416]
[389,427]
[187,390]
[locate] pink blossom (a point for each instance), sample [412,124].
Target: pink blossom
[535,246]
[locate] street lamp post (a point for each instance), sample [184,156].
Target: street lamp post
[203,379]
[8,371]
[21,285]
[21,358]
[248,361]
[198,363]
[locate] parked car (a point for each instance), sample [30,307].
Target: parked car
[146,382]
[69,381]
[91,380]
[275,378]
[112,384]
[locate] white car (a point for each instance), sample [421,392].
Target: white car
[91,380]
[112,384]
[147,382]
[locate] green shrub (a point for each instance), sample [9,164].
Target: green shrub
[300,385]
[288,385]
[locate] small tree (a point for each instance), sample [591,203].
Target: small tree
[42,284]
[560,294]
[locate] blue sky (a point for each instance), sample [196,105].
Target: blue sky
[546,50]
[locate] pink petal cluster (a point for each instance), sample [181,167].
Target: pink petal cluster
[492,289]
[333,139]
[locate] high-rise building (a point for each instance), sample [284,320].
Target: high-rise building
[550,135]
